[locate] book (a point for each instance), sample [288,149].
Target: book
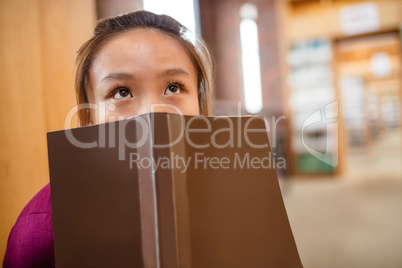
[167,190]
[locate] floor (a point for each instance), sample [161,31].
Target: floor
[354,220]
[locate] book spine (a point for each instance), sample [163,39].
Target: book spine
[167,232]
[148,204]
[180,188]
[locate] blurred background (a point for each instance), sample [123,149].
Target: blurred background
[326,75]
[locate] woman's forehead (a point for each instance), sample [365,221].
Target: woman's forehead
[142,50]
[143,56]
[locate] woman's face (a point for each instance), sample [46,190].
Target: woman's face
[141,71]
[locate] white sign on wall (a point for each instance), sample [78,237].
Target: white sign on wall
[359,18]
[380,64]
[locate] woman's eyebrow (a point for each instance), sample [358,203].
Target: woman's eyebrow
[127,76]
[118,76]
[174,71]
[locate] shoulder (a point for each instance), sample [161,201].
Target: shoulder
[30,243]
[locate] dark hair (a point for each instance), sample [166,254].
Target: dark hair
[110,27]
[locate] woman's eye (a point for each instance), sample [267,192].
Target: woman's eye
[173,89]
[122,94]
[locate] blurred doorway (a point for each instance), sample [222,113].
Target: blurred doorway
[368,71]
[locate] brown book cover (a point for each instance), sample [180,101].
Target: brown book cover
[165,190]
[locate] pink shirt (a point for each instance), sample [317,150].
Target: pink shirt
[30,243]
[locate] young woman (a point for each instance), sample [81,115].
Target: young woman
[132,63]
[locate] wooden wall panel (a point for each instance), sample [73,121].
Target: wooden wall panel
[57,77]
[38,42]
[22,131]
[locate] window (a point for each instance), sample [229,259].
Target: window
[250,58]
